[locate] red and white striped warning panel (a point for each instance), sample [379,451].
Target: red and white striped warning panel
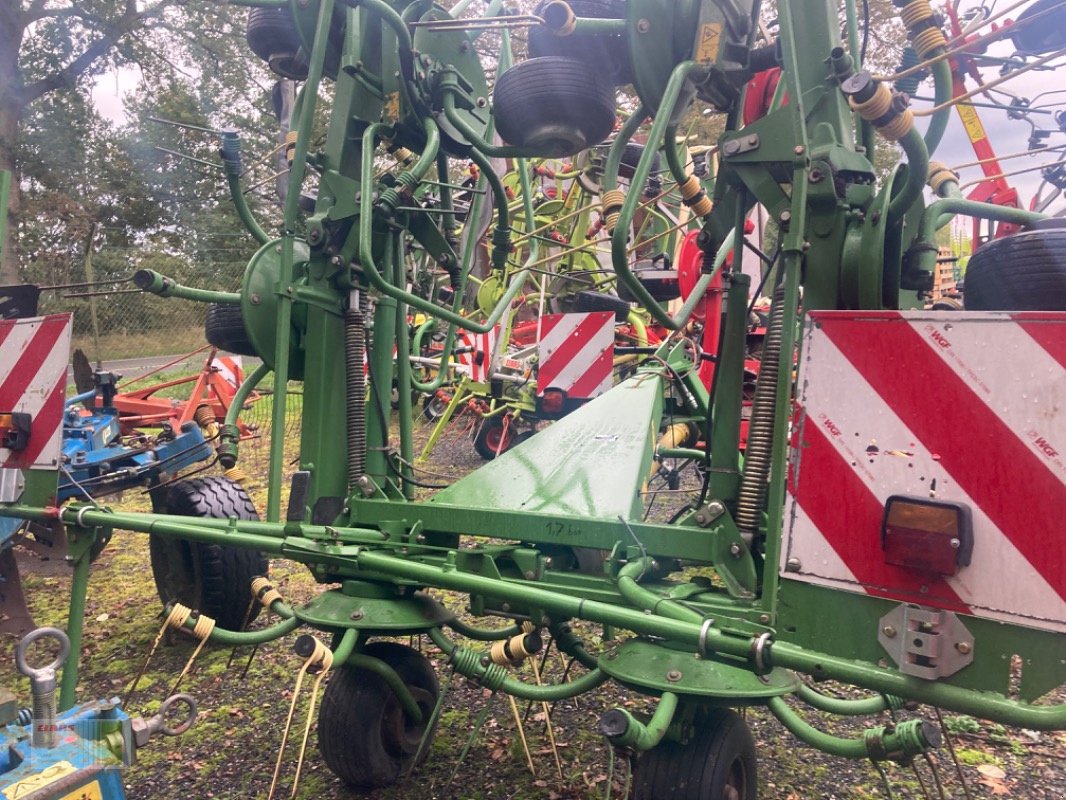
[33,379]
[478,351]
[577,354]
[968,408]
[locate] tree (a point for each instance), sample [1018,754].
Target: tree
[52,49]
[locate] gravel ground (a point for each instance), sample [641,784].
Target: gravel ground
[231,751]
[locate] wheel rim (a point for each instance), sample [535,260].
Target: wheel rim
[497,440]
[736,784]
[401,736]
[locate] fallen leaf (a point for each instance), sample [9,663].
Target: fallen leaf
[992,771]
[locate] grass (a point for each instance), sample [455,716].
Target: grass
[117,345]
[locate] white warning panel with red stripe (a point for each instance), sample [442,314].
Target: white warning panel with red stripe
[959,407]
[33,379]
[576,353]
[476,354]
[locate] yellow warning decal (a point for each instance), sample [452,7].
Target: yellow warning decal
[707,47]
[971,122]
[28,786]
[88,792]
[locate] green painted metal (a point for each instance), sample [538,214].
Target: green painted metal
[149,280]
[730,632]
[394,612]
[592,463]
[897,742]
[644,736]
[654,667]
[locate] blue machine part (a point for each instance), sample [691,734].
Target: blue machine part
[95,742]
[97,460]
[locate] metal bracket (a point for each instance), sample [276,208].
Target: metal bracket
[12,483]
[924,642]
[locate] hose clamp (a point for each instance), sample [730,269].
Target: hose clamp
[759,653]
[701,645]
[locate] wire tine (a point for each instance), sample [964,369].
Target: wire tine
[102,293]
[185,125]
[480,23]
[187,157]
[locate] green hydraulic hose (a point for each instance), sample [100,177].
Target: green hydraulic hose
[476,139]
[639,735]
[618,147]
[917,168]
[843,707]
[483,634]
[148,280]
[640,330]
[468,662]
[501,236]
[948,189]
[938,123]
[365,233]
[381,668]
[231,162]
[620,236]
[230,435]
[637,595]
[827,743]
[926,256]
[228,638]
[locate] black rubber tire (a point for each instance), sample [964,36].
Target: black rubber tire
[1045,35]
[587,300]
[631,158]
[557,106]
[434,406]
[597,51]
[359,733]
[214,579]
[271,35]
[488,438]
[224,329]
[1023,272]
[720,755]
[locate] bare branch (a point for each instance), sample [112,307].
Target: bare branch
[130,20]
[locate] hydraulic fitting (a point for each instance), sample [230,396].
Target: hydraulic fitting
[886,110]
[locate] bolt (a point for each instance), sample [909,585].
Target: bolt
[799,150]
[764,619]
[964,648]
[702,519]
[753,141]
[505,607]
[785,217]
[420,538]
[673,675]
[889,631]
[357,614]
[735,550]
[256,299]
[815,176]
[731,148]
[793,565]
[530,575]
[643,26]
[335,261]
[481,102]
[955,544]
